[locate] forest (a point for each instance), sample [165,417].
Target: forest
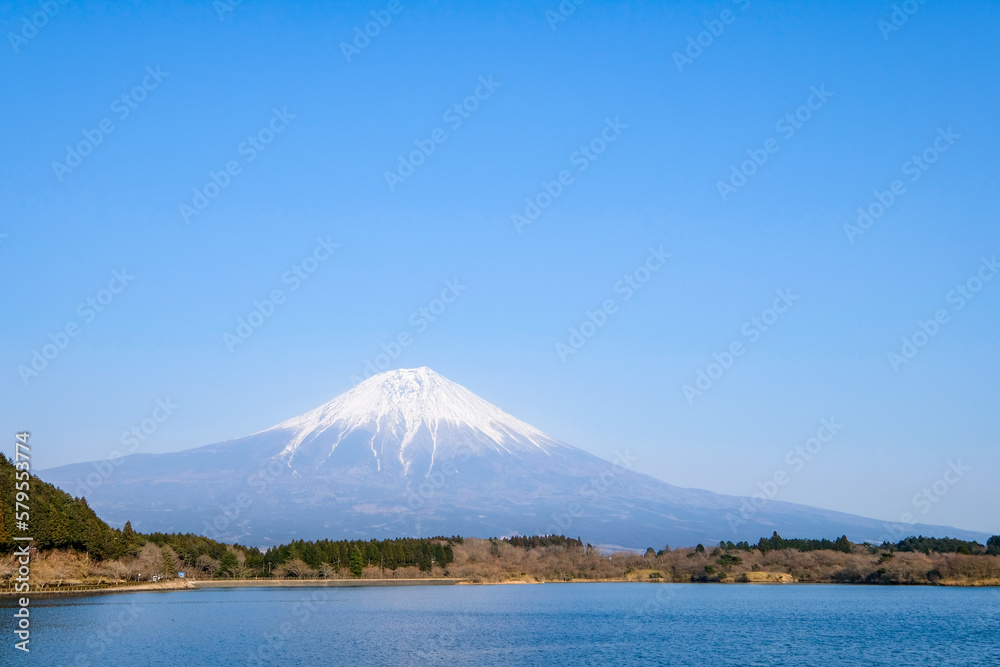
[72,546]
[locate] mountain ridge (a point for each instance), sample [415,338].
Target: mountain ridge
[408,452]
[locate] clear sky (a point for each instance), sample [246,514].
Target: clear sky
[201,149]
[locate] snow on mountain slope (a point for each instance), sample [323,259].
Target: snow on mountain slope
[407,412]
[410,453]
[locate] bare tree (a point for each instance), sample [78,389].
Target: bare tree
[296,568]
[61,570]
[7,567]
[148,562]
[206,565]
[117,569]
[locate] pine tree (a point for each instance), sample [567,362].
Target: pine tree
[357,562]
[169,564]
[126,543]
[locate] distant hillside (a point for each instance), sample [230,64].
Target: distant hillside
[57,520]
[411,453]
[76,547]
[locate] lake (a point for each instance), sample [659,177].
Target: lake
[591,624]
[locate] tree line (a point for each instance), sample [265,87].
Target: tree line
[925,545]
[59,521]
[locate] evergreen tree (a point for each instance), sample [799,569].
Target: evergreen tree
[169,564]
[357,562]
[993,545]
[227,565]
[372,556]
[391,557]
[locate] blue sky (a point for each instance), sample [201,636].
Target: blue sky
[200,89]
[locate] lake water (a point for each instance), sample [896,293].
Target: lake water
[589,624]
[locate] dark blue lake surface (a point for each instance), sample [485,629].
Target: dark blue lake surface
[592,624]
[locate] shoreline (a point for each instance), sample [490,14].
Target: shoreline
[135,588]
[190,585]
[323,583]
[193,584]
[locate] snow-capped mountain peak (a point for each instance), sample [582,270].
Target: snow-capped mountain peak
[409,411]
[410,453]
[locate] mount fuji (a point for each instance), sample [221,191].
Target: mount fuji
[410,453]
